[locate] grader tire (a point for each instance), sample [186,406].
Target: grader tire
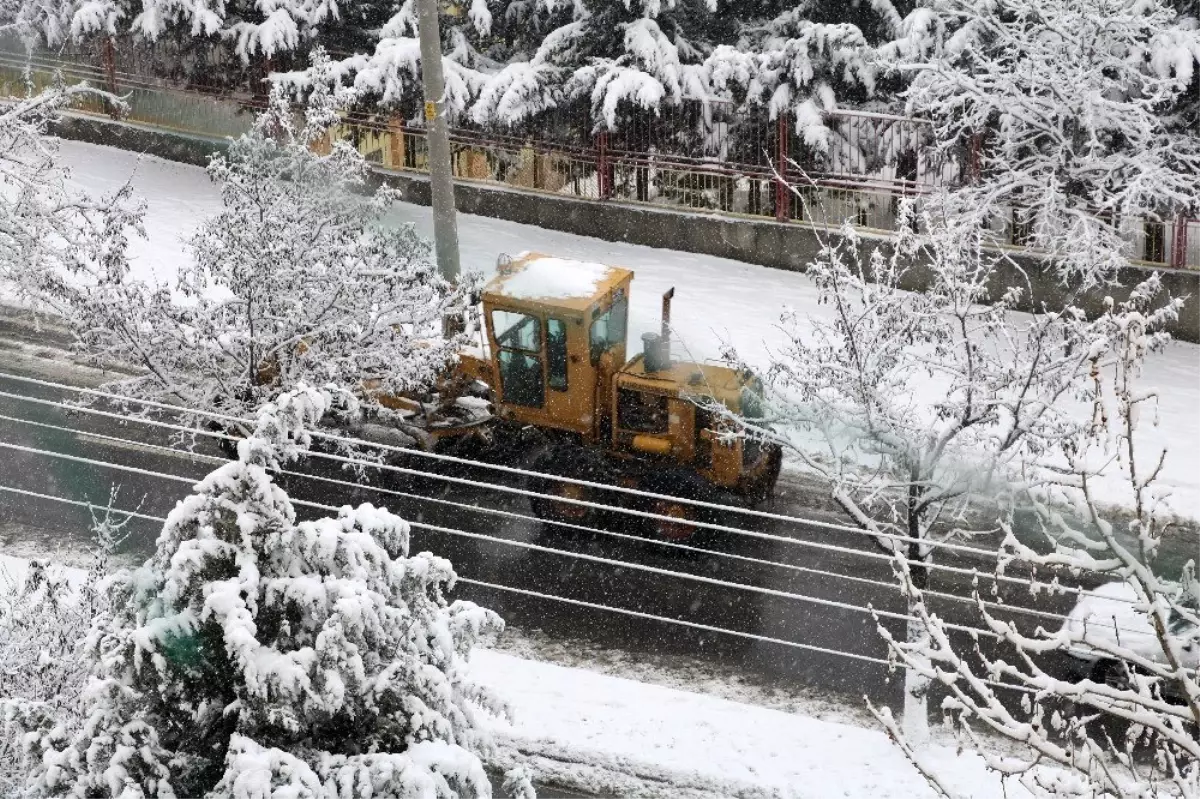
[679,525]
[678,517]
[549,505]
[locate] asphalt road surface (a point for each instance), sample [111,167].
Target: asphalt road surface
[736,590]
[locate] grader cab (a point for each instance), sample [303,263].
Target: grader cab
[556,361]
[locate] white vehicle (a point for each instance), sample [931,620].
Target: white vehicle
[1109,616]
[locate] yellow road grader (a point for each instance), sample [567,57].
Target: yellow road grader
[552,379]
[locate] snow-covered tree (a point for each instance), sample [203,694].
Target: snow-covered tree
[297,278]
[1144,636]
[35,21]
[52,236]
[1069,106]
[795,67]
[921,409]
[257,655]
[253,30]
[389,77]
[45,615]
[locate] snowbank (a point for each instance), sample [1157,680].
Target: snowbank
[596,718]
[719,300]
[13,571]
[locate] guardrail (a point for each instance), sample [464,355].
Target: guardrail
[605,168]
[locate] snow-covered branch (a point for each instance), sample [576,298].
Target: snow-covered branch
[1069,106]
[53,238]
[928,414]
[1134,641]
[297,278]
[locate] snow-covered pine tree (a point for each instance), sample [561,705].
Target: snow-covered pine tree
[1128,729]
[53,238]
[922,411]
[35,22]
[257,655]
[1066,110]
[386,74]
[252,30]
[608,57]
[801,63]
[297,278]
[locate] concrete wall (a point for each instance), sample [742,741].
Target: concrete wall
[781,246]
[172,146]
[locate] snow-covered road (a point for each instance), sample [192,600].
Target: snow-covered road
[718,300]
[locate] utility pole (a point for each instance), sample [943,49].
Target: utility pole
[441,178]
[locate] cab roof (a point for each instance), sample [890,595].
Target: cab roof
[543,280]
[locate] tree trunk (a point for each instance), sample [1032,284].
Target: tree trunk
[916,686]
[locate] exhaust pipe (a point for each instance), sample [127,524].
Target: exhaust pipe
[666,325]
[657,346]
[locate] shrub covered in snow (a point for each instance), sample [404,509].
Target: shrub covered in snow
[53,238]
[45,614]
[298,278]
[256,655]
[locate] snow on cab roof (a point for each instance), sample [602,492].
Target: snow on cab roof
[545,278]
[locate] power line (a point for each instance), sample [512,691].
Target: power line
[608,561]
[81,503]
[973,573]
[527,592]
[713,581]
[568,525]
[682,622]
[550,550]
[556,598]
[506,489]
[948,545]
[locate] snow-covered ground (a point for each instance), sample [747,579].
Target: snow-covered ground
[691,739]
[600,732]
[718,300]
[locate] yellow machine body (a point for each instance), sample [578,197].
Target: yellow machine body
[556,335]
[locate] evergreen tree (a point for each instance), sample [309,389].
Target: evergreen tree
[257,655]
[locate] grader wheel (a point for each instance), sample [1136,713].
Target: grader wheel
[678,527]
[551,510]
[558,500]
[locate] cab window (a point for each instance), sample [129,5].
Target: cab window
[556,354]
[520,338]
[521,378]
[517,331]
[608,329]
